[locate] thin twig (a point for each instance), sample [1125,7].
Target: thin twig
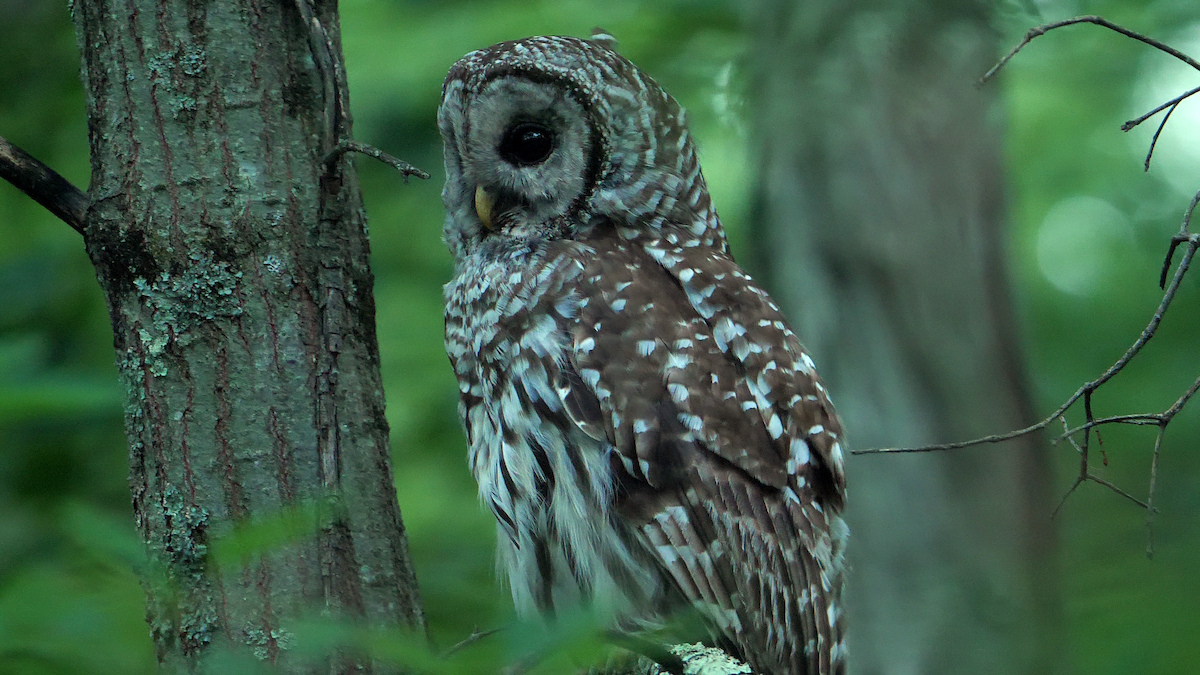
[1119,491]
[1097,20]
[339,138]
[471,639]
[1175,242]
[1182,401]
[1087,437]
[1157,133]
[348,145]
[1169,104]
[1187,216]
[1178,239]
[1143,419]
[994,438]
[1162,429]
[44,185]
[1085,391]
[1067,435]
[1063,501]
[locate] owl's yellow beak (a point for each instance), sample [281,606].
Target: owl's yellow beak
[483,206]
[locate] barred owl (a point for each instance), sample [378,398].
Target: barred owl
[647,430]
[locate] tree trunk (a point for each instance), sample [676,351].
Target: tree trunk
[880,217]
[237,279]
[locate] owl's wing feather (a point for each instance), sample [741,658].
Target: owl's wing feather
[729,443]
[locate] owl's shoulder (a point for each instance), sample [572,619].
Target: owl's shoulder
[684,331]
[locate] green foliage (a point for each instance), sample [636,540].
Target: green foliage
[69,597]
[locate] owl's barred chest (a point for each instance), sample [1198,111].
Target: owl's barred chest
[503,310]
[550,485]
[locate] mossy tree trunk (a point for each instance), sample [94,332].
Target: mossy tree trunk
[236,274]
[882,234]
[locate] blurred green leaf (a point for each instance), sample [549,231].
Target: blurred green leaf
[248,540]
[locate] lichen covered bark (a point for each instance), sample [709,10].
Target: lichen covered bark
[237,280]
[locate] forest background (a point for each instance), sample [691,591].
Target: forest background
[1087,231]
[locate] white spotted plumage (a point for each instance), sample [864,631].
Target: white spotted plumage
[647,430]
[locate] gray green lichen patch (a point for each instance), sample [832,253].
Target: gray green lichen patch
[185,108]
[182,600]
[183,548]
[260,640]
[206,291]
[193,62]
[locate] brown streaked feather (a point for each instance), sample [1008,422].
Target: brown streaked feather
[724,527]
[640,419]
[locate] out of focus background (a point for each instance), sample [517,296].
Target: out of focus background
[1082,227]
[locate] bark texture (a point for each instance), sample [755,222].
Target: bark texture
[238,285]
[881,232]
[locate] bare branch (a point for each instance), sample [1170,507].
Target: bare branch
[994,438]
[1100,21]
[1187,395]
[1162,429]
[475,636]
[347,145]
[1100,481]
[1097,20]
[1169,104]
[1085,391]
[1143,419]
[1063,501]
[339,138]
[1157,133]
[44,185]
[1067,435]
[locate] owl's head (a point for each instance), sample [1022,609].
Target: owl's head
[549,135]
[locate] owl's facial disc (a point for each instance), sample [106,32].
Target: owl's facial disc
[526,149]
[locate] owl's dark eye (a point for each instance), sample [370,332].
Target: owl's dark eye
[526,144]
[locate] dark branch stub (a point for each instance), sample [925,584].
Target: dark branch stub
[1191,243]
[339,138]
[349,145]
[44,185]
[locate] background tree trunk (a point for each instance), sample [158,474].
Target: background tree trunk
[881,232]
[238,285]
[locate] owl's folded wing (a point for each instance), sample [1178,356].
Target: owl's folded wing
[728,446]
